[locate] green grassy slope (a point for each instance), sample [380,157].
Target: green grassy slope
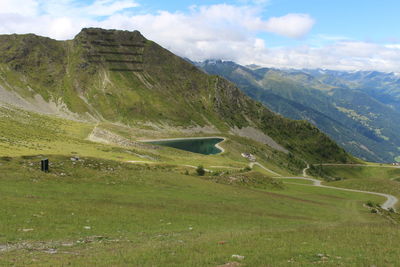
[103,213]
[49,135]
[120,76]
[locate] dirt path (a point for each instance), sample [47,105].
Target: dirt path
[305,170]
[390,202]
[251,165]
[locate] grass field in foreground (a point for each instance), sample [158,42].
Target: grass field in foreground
[106,213]
[297,181]
[103,211]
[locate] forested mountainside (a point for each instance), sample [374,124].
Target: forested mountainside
[359,110]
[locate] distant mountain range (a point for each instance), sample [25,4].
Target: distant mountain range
[359,110]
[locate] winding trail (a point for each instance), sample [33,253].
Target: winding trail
[390,202]
[305,170]
[251,165]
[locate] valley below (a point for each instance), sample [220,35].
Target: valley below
[359,110]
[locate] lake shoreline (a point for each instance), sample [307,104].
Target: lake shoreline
[217,145]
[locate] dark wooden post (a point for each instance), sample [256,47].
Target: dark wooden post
[45,165]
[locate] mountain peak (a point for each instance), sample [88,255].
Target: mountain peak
[104,32]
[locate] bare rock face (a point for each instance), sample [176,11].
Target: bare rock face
[259,136]
[103,136]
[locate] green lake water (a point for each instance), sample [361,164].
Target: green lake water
[204,146]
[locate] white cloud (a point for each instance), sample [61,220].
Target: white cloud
[19,7]
[223,31]
[59,19]
[216,31]
[344,55]
[77,9]
[393,46]
[254,2]
[230,33]
[290,25]
[109,7]
[227,21]
[63,26]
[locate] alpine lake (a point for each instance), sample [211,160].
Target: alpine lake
[206,146]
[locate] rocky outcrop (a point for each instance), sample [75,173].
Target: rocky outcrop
[258,136]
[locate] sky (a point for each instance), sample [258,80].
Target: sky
[330,34]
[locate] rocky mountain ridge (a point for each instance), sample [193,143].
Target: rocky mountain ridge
[121,77]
